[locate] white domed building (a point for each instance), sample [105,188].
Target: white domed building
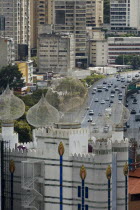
[55,171]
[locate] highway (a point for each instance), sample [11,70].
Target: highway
[133,131]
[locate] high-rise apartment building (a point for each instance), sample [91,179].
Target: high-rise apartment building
[16,14]
[56,52]
[7,49]
[40,14]
[70,16]
[94,13]
[124,14]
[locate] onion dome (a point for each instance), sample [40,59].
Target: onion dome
[11,107]
[72,97]
[42,114]
[103,128]
[119,114]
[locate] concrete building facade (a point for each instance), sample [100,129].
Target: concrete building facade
[122,46]
[94,13]
[70,17]
[56,52]
[124,14]
[7,49]
[98,49]
[26,68]
[16,15]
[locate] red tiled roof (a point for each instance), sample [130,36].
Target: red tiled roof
[133,185]
[135,173]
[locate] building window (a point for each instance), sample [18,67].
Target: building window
[79,206]
[79,191]
[86,192]
[86,207]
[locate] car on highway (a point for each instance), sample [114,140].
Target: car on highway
[100,114]
[133,111]
[93,123]
[109,85]
[112,95]
[128,76]
[106,128]
[132,96]
[90,119]
[106,89]
[102,101]
[116,89]
[94,89]
[136,75]
[96,100]
[126,105]
[112,91]
[91,112]
[104,82]
[93,92]
[107,99]
[134,101]
[111,101]
[123,86]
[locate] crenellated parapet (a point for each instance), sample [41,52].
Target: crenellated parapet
[120,146]
[87,158]
[102,147]
[59,133]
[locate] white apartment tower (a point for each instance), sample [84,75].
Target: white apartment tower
[124,14]
[16,15]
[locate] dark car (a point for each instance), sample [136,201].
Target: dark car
[126,105]
[135,101]
[132,96]
[112,91]
[111,101]
[124,128]
[133,111]
[104,82]
[106,89]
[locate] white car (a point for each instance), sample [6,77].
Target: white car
[107,99]
[90,119]
[103,102]
[91,112]
[112,96]
[96,100]
[93,123]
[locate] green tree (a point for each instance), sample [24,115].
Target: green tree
[106,11]
[24,131]
[12,76]
[133,60]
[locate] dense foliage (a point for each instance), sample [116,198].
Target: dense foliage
[89,80]
[133,60]
[106,11]
[12,76]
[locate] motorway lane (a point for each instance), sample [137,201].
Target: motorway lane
[97,107]
[133,131]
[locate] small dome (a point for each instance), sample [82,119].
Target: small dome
[119,114]
[11,107]
[103,128]
[42,114]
